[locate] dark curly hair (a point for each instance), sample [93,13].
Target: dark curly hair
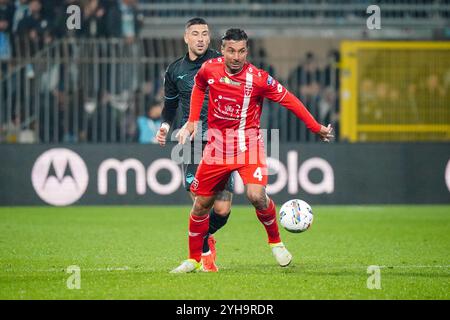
[234,34]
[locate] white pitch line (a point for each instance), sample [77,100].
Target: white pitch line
[406,266]
[385,267]
[125,268]
[81,269]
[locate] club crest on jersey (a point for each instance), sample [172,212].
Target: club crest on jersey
[248,91]
[229,81]
[269,80]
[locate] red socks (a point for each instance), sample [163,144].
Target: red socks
[268,217]
[198,228]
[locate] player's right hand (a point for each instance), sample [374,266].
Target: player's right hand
[325,133]
[161,136]
[189,130]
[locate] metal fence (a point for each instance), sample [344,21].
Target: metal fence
[395,91]
[304,15]
[94,90]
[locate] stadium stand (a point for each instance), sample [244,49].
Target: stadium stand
[92,84]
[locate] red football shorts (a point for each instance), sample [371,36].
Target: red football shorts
[211,178]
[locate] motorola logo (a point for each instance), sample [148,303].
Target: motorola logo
[60,177]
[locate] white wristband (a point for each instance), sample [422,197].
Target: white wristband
[166,126]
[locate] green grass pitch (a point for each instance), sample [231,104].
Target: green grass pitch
[127,253]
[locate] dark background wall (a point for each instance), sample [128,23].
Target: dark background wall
[331,174]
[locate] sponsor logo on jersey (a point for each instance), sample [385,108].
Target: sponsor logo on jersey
[226,98]
[210,81]
[229,81]
[181,77]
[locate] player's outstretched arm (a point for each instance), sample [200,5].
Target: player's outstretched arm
[277,93]
[292,103]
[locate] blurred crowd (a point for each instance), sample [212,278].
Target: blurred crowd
[316,83]
[56,90]
[76,113]
[27,25]
[402,102]
[120,100]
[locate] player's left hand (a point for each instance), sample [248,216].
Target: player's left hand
[189,130]
[325,133]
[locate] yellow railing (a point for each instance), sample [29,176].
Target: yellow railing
[395,91]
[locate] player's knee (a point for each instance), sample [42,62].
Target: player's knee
[222,208]
[222,204]
[198,210]
[201,207]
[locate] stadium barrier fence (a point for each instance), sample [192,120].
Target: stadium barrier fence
[395,91]
[93,90]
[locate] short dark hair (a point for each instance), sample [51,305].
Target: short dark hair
[195,21]
[234,34]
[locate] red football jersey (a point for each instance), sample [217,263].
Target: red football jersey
[235,104]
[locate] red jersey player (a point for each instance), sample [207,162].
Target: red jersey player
[236,93]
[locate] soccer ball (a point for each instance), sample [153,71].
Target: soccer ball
[296,216]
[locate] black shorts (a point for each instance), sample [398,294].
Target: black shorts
[190,169]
